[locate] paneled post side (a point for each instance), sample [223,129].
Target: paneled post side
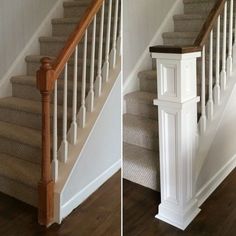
[177,111]
[45,83]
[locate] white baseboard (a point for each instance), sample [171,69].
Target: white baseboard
[18,67]
[81,196]
[145,62]
[215,181]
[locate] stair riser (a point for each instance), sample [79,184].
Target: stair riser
[142,109]
[32,93]
[148,85]
[198,8]
[141,176]
[19,191]
[20,150]
[32,67]
[78,11]
[187,25]
[53,48]
[65,29]
[193,25]
[27,119]
[136,138]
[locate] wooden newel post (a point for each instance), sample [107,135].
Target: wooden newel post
[45,83]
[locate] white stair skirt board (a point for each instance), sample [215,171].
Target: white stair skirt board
[94,159]
[81,196]
[144,62]
[215,181]
[18,67]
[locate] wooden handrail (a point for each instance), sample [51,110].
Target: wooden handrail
[209,23]
[76,37]
[202,36]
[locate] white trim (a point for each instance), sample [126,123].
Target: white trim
[18,67]
[131,83]
[81,196]
[215,181]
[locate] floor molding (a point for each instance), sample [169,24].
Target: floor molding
[81,196]
[215,181]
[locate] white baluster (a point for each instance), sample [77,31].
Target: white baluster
[82,111]
[64,146]
[234,46]
[74,125]
[230,42]
[90,98]
[210,100]
[119,42]
[55,160]
[98,83]
[113,51]
[217,84]
[108,39]
[223,70]
[202,121]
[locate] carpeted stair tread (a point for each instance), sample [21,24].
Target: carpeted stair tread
[189,17]
[78,3]
[148,126]
[31,81]
[20,134]
[26,105]
[181,34]
[141,97]
[141,156]
[141,166]
[19,170]
[148,74]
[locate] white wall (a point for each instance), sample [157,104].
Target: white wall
[221,157]
[142,19]
[19,19]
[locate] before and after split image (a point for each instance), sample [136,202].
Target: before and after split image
[117,117]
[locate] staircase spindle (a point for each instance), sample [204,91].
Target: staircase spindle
[108,39]
[82,112]
[203,94]
[230,41]
[210,100]
[119,34]
[114,51]
[74,125]
[217,84]
[55,139]
[91,89]
[64,145]
[234,44]
[223,70]
[98,83]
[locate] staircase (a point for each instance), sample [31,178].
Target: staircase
[20,114]
[141,157]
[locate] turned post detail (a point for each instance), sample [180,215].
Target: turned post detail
[45,83]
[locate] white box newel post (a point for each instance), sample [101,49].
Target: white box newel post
[177,110]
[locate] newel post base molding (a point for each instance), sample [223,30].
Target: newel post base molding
[177,110]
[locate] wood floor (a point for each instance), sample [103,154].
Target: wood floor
[217,218]
[99,215]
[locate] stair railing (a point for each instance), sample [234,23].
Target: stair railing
[67,65]
[178,73]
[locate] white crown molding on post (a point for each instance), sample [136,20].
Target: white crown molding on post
[131,83]
[177,108]
[18,67]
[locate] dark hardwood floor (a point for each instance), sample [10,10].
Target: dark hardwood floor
[217,218]
[99,215]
